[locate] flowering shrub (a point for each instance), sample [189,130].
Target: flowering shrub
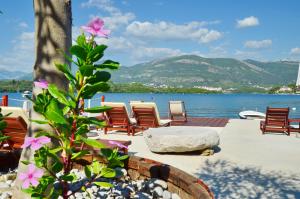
[62,111]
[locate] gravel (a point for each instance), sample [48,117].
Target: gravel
[123,187]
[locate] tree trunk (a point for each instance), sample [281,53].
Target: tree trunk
[53,32]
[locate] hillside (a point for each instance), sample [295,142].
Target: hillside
[192,70]
[6,75]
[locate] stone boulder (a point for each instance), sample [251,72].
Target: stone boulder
[180,139]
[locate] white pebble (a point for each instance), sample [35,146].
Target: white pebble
[158,192]
[175,196]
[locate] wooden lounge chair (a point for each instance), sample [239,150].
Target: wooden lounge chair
[177,111]
[147,115]
[276,121]
[16,129]
[118,119]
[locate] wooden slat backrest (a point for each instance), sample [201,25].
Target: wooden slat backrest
[16,129]
[277,117]
[145,117]
[117,116]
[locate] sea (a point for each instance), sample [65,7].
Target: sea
[197,105]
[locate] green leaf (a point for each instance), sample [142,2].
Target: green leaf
[82,129]
[98,109]
[87,171]
[39,121]
[93,143]
[108,173]
[106,152]
[96,53]
[109,64]
[60,95]
[81,40]
[95,121]
[86,70]
[66,109]
[57,167]
[48,134]
[90,90]
[99,76]
[55,150]
[68,177]
[124,157]
[54,113]
[66,70]
[103,184]
[78,51]
[79,154]
[96,167]
[25,162]
[3,125]
[3,138]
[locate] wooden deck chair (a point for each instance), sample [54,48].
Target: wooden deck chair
[177,111]
[118,119]
[147,115]
[276,121]
[16,129]
[16,112]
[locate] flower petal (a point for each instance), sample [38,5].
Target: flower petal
[34,182]
[27,142]
[38,173]
[43,140]
[22,176]
[26,184]
[31,169]
[36,146]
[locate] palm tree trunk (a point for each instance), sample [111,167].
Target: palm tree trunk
[53,32]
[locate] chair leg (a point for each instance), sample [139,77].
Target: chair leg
[128,130]
[105,130]
[132,130]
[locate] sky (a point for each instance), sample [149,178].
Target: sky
[145,30]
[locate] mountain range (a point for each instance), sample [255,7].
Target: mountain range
[193,71]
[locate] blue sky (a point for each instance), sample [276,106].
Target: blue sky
[144,30]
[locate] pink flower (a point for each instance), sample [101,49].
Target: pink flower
[117,144]
[35,143]
[95,27]
[31,176]
[41,83]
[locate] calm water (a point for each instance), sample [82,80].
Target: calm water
[203,105]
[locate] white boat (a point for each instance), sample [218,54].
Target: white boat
[249,114]
[26,93]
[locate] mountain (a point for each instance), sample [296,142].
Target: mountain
[6,75]
[192,70]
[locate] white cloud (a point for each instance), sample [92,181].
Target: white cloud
[21,56]
[295,51]
[117,44]
[165,30]
[149,53]
[247,22]
[116,19]
[258,44]
[23,25]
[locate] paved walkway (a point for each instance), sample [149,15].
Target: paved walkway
[247,164]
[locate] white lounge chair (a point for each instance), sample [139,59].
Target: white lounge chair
[118,118]
[177,110]
[147,115]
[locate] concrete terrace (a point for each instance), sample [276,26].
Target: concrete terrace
[246,165]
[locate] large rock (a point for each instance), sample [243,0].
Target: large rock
[180,139]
